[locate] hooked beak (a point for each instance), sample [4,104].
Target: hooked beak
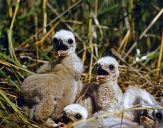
[146,120]
[101,74]
[65,119]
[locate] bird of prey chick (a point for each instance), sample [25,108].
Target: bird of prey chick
[108,90]
[106,93]
[72,113]
[107,120]
[75,115]
[149,116]
[136,118]
[47,94]
[64,47]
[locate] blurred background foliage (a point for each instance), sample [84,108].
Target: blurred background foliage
[130,30]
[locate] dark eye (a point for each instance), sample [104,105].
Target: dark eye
[158,115]
[70,41]
[55,40]
[78,116]
[111,67]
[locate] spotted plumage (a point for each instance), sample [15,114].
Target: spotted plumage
[104,94]
[108,92]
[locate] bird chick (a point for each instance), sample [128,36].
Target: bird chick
[64,47]
[71,114]
[75,116]
[136,97]
[47,94]
[108,92]
[105,93]
[109,121]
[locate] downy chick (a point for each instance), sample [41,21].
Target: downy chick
[106,93]
[64,47]
[75,115]
[149,116]
[107,120]
[72,113]
[47,94]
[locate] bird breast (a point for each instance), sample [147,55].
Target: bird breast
[105,96]
[74,65]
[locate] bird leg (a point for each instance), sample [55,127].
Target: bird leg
[45,108]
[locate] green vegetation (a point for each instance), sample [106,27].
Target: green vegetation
[130,30]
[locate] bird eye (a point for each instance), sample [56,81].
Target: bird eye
[111,67]
[70,41]
[55,40]
[78,116]
[158,115]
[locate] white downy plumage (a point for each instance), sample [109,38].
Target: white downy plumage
[58,85]
[136,97]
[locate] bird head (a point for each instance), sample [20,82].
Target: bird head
[151,118]
[64,43]
[73,113]
[106,68]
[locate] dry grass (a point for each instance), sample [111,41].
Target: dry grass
[129,30]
